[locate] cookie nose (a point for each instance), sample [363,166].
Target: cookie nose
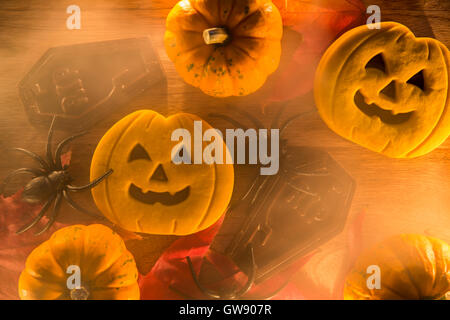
[390,90]
[159,174]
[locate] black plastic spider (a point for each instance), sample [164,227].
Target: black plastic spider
[51,183]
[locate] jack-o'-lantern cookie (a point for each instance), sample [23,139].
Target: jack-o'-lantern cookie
[386,90]
[148,192]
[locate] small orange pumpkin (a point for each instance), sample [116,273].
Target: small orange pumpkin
[411,267]
[224,47]
[107,271]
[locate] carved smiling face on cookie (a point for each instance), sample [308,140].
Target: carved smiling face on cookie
[149,193]
[386,90]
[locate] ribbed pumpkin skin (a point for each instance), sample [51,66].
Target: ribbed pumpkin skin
[412,267]
[108,269]
[236,68]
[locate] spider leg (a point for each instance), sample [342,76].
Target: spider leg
[60,147]
[276,119]
[204,290]
[303,170]
[50,159]
[53,215]
[247,194]
[77,207]
[179,292]
[92,184]
[301,190]
[272,294]
[251,276]
[289,121]
[38,217]
[306,174]
[254,120]
[260,187]
[232,295]
[235,123]
[11,175]
[37,158]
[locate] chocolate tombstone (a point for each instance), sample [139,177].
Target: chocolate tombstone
[83,83]
[286,216]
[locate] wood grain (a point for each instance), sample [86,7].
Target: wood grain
[398,196]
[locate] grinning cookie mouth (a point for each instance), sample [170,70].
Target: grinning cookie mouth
[165,198]
[386,116]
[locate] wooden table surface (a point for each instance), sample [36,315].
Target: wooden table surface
[398,196]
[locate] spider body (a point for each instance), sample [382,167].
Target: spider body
[41,188]
[51,183]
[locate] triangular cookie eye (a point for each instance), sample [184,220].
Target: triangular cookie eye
[378,63]
[139,153]
[418,80]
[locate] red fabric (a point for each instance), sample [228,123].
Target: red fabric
[319,22]
[172,271]
[171,278]
[353,250]
[14,249]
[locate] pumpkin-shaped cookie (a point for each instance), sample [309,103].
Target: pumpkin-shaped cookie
[224,47]
[148,192]
[411,266]
[386,90]
[94,254]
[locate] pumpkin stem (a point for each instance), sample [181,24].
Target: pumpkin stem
[215,36]
[79,294]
